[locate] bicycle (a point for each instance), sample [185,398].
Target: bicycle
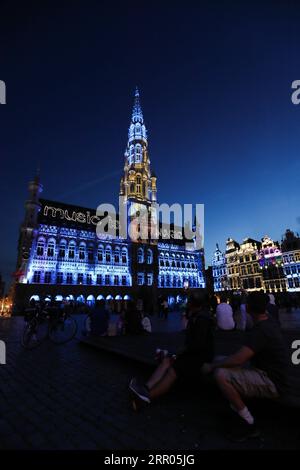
[60,327]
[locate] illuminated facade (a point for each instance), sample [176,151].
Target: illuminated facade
[219,271]
[260,265]
[249,269]
[270,260]
[232,263]
[290,247]
[60,255]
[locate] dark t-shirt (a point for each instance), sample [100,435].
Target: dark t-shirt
[266,341]
[199,338]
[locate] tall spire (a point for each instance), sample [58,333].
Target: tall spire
[137,114]
[138,183]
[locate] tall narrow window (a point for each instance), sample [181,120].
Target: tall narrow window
[51,247]
[91,253]
[138,153]
[40,247]
[62,249]
[149,256]
[139,185]
[37,277]
[108,254]
[124,255]
[100,253]
[82,252]
[140,255]
[117,255]
[71,250]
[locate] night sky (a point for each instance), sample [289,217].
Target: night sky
[215,82]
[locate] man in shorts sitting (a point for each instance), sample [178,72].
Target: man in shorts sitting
[266,376]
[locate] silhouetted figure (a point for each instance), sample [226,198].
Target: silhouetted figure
[99,319]
[133,320]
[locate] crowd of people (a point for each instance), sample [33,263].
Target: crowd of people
[257,369]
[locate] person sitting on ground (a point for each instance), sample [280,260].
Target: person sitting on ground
[199,348]
[99,319]
[266,377]
[224,314]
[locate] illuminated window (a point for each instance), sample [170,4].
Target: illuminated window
[71,250]
[62,249]
[140,255]
[140,279]
[149,256]
[139,185]
[138,153]
[91,253]
[124,255]
[117,255]
[100,253]
[108,254]
[40,247]
[51,247]
[82,252]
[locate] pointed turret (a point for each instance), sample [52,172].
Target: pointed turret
[137,114]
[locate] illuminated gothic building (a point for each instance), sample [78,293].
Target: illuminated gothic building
[60,255]
[249,269]
[219,271]
[290,247]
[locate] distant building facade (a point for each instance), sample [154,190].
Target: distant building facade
[259,265]
[271,263]
[219,271]
[248,265]
[232,263]
[290,247]
[61,257]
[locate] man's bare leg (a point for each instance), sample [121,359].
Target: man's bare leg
[228,390]
[159,373]
[164,385]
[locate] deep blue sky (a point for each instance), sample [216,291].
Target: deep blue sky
[215,82]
